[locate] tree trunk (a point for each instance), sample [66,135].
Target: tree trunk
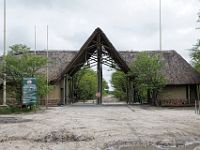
[19,93]
[155,99]
[149,98]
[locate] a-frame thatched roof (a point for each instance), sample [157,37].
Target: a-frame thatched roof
[98,38]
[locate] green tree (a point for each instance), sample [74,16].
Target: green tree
[86,80]
[148,78]
[195,54]
[119,82]
[21,63]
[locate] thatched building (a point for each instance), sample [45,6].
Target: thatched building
[182,79]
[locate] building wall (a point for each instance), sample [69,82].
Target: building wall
[53,95]
[57,94]
[173,96]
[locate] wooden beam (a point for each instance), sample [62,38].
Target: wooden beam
[99,70]
[196,100]
[189,96]
[67,89]
[64,90]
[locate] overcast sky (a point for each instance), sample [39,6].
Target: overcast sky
[129,24]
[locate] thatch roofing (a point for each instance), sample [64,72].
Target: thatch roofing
[58,61]
[176,69]
[98,40]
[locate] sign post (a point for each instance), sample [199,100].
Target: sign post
[29,96]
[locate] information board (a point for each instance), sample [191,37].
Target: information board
[29,89]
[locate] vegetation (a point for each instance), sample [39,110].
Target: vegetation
[119,83]
[14,109]
[86,83]
[20,63]
[196,56]
[148,77]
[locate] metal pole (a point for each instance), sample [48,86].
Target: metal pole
[160,25]
[35,42]
[47,69]
[4,54]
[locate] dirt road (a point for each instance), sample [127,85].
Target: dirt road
[90,127]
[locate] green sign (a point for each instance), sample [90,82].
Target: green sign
[29,88]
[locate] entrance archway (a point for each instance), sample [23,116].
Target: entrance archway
[99,49]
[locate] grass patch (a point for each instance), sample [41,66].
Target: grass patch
[15,110]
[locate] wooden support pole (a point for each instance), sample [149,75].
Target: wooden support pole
[72,101]
[71,89]
[199,107]
[189,97]
[99,71]
[197,102]
[195,107]
[130,91]
[131,94]
[64,90]
[127,90]
[67,89]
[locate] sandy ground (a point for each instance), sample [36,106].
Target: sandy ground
[91,127]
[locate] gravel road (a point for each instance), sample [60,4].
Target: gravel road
[92,127]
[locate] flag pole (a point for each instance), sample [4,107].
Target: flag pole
[160,25]
[4,55]
[35,39]
[47,69]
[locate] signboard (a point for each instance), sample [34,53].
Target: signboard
[29,90]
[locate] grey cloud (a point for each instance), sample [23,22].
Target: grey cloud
[129,24]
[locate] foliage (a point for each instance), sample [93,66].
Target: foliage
[25,64]
[119,83]
[195,54]
[16,110]
[86,80]
[20,63]
[148,77]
